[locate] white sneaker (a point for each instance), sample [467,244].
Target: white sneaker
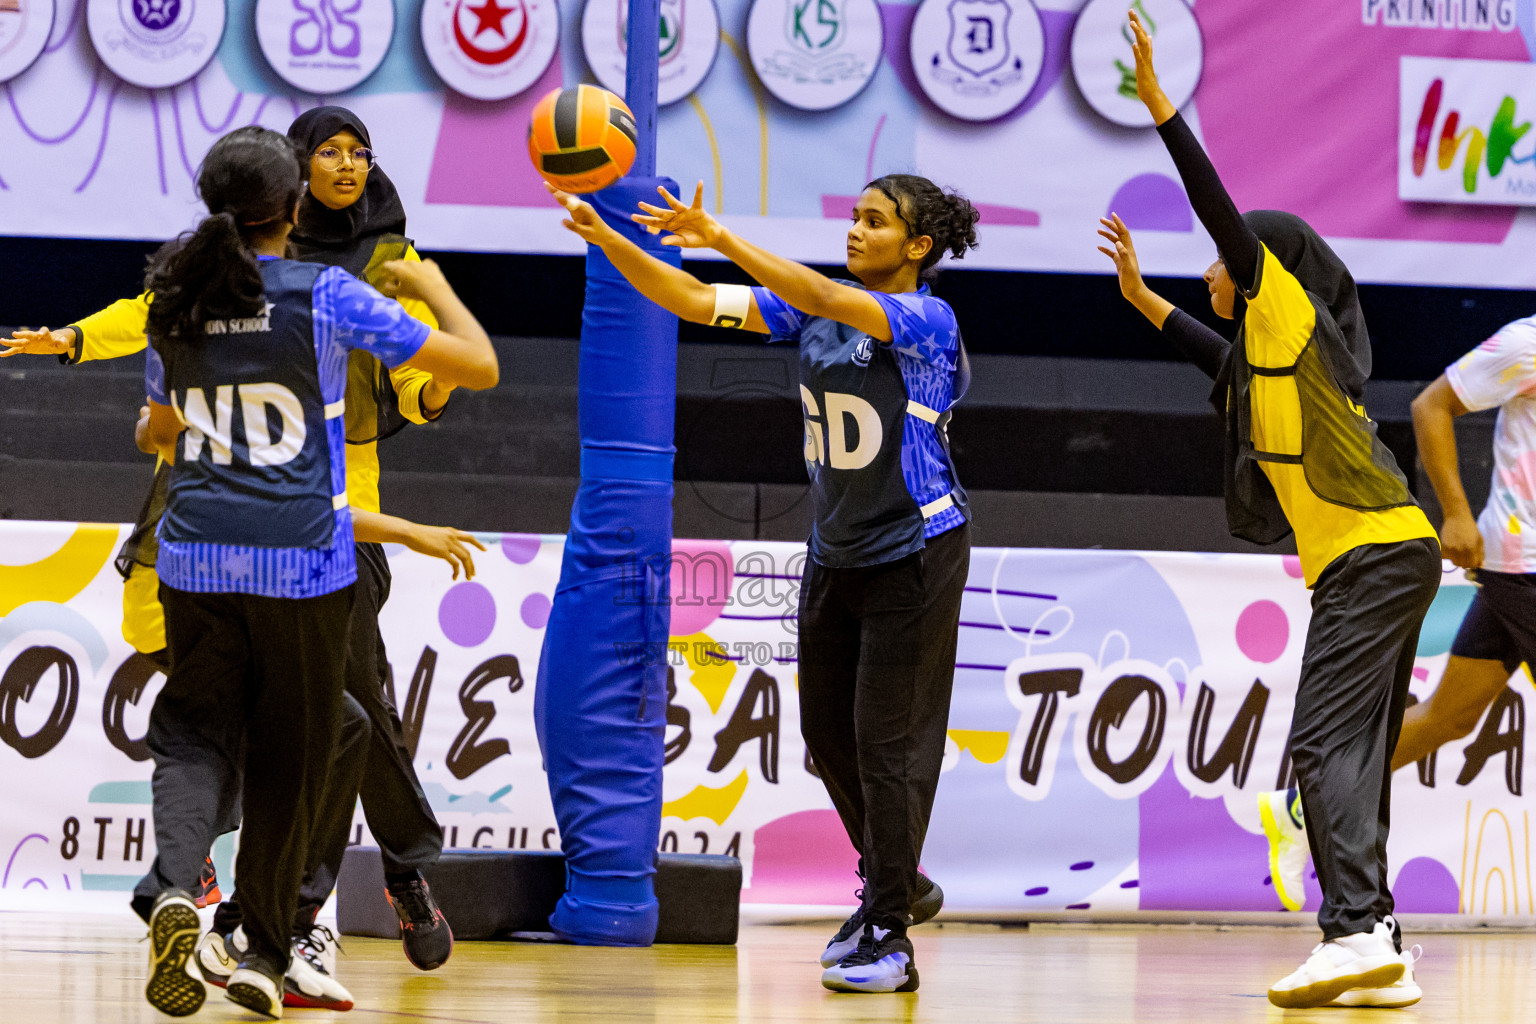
[1286,830]
[255,991]
[1364,960]
[308,982]
[1404,992]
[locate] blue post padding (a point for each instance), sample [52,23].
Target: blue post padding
[601,697]
[642,79]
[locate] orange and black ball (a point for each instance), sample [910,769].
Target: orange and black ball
[581,139]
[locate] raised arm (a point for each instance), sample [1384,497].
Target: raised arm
[672,288]
[459,352]
[691,226]
[1238,245]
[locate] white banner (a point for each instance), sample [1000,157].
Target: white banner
[1114,716]
[1464,131]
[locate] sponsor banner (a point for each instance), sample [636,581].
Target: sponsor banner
[1464,131]
[690,39]
[490,50]
[24,29]
[155,43]
[815,54]
[1115,715]
[977,59]
[325,47]
[1105,69]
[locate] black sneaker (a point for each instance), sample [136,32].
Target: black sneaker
[424,932]
[173,930]
[207,894]
[883,962]
[257,984]
[927,902]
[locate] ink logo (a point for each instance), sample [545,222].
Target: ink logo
[688,40]
[1461,134]
[977,60]
[24,29]
[1105,69]
[490,49]
[815,54]
[324,47]
[155,44]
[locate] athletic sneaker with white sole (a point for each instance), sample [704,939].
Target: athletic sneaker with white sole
[1286,829]
[883,962]
[309,983]
[926,902]
[257,985]
[218,955]
[1363,960]
[173,930]
[1403,992]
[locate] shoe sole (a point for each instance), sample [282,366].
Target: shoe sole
[173,940]
[252,998]
[299,1001]
[1323,992]
[1373,1004]
[883,986]
[1272,833]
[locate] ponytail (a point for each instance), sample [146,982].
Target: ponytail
[250,181]
[946,217]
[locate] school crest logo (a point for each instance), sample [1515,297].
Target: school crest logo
[977,60]
[155,44]
[688,40]
[490,49]
[864,351]
[24,29]
[815,54]
[325,46]
[1105,69]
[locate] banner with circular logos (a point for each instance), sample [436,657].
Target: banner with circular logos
[325,46]
[1105,71]
[24,29]
[490,49]
[977,59]
[155,43]
[690,38]
[815,54]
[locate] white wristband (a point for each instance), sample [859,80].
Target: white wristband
[732,304]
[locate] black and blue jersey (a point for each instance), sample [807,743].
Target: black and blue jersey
[257,502]
[877,500]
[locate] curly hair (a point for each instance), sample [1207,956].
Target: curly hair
[946,217]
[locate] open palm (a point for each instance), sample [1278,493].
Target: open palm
[688,227]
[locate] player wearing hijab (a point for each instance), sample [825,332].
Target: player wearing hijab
[246,381]
[1302,456]
[890,545]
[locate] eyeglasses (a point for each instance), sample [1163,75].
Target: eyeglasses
[332,158]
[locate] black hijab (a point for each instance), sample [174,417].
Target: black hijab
[1344,342]
[345,238]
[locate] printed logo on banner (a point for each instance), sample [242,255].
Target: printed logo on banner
[325,46]
[154,44]
[24,29]
[1464,131]
[1105,69]
[690,39]
[977,59]
[815,54]
[490,49]
[1456,15]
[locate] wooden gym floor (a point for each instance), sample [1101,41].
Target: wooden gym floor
[90,970]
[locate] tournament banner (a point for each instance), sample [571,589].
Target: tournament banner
[1115,715]
[784,109]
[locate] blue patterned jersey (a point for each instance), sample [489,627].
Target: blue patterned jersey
[877,501]
[257,500]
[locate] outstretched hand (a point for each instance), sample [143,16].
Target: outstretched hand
[1123,251]
[41,342]
[444,542]
[688,227]
[583,219]
[1147,89]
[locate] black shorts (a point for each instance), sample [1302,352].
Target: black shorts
[1501,623]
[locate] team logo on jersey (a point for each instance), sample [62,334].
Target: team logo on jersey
[155,44]
[24,29]
[977,59]
[815,54]
[490,49]
[864,351]
[1105,69]
[688,40]
[324,46]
